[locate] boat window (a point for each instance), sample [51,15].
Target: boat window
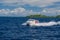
[31,20]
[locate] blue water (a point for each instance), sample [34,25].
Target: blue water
[11,29]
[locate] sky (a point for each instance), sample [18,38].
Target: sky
[29,7]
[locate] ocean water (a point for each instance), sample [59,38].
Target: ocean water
[11,29]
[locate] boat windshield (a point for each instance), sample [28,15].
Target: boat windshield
[31,20]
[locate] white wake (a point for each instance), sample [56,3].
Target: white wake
[49,23]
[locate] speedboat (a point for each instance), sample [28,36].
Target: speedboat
[31,22]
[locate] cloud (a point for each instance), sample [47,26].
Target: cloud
[50,12]
[40,3]
[31,7]
[16,12]
[23,12]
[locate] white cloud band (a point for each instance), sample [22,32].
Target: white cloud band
[40,3]
[23,12]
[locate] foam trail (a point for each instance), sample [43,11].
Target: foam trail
[48,23]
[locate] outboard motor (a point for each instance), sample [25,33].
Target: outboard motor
[28,24]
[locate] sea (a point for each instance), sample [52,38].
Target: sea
[11,29]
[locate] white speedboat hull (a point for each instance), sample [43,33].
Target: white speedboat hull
[37,23]
[42,24]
